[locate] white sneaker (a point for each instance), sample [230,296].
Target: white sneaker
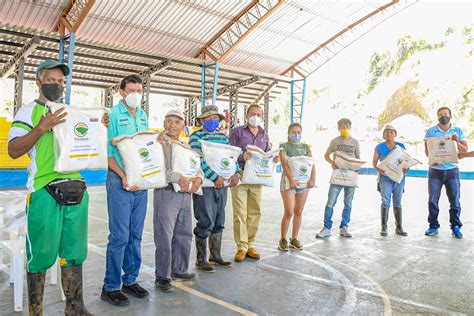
[344,232]
[324,233]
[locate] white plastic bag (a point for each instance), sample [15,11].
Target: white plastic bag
[260,168]
[345,177]
[344,161]
[394,163]
[221,158]
[144,160]
[301,168]
[442,149]
[80,142]
[185,161]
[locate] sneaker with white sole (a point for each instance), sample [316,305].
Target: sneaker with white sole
[325,232]
[344,232]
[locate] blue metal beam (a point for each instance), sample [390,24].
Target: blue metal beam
[215,79]
[297,97]
[70,63]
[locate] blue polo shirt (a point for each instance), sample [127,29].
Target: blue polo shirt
[436,131]
[121,122]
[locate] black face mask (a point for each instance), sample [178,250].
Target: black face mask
[444,120]
[52,91]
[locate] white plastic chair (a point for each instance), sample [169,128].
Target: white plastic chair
[15,248]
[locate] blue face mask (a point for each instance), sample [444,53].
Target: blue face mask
[211,125]
[295,138]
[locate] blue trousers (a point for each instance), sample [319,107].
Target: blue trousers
[389,190]
[333,193]
[127,212]
[436,180]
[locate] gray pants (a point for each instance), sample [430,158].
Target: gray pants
[172,223]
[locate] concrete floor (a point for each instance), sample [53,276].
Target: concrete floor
[365,275]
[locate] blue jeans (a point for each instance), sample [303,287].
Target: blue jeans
[389,190]
[436,180]
[209,211]
[334,191]
[127,212]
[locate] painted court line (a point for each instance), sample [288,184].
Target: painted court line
[150,271]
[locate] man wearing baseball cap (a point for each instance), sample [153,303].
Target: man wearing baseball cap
[388,188]
[56,221]
[209,209]
[172,216]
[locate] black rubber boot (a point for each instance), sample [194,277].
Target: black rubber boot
[215,243]
[35,283]
[71,279]
[384,219]
[201,259]
[398,220]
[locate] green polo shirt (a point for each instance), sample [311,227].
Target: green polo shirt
[121,122]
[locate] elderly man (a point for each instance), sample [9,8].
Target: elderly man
[445,174]
[172,217]
[350,146]
[209,209]
[126,205]
[247,198]
[57,223]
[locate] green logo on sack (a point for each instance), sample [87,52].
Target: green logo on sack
[193,162]
[144,153]
[225,163]
[303,170]
[442,144]
[265,162]
[80,129]
[399,161]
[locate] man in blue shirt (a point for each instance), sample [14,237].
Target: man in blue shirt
[445,174]
[126,205]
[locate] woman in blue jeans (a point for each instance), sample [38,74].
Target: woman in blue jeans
[389,189]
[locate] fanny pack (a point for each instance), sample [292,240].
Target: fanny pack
[67,191]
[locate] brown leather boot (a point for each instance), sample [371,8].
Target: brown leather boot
[71,279]
[215,243]
[201,256]
[35,283]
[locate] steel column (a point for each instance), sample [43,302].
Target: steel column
[266,111]
[297,96]
[18,97]
[233,108]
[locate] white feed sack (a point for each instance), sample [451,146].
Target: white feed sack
[345,177]
[185,161]
[260,168]
[442,150]
[394,163]
[221,158]
[80,142]
[345,161]
[301,168]
[144,160]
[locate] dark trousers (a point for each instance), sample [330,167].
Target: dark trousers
[436,180]
[209,211]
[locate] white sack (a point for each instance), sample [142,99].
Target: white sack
[442,149]
[144,160]
[345,177]
[260,168]
[80,142]
[301,168]
[344,161]
[221,158]
[394,163]
[185,161]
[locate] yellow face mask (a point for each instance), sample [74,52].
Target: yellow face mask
[345,132]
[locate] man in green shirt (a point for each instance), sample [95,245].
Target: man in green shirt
[56,222]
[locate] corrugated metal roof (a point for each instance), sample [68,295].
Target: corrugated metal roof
[183,27]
